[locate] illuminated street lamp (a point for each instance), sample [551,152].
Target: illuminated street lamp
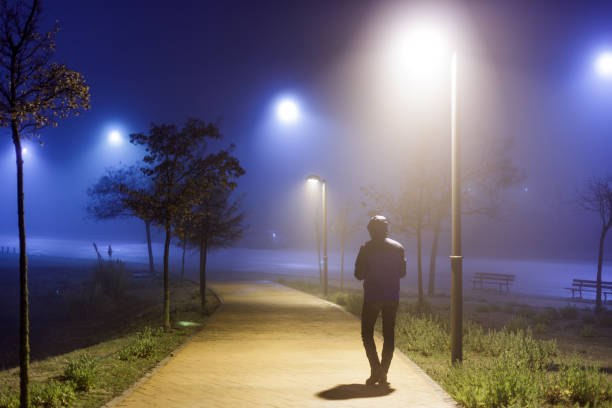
[114,137]
[318,180]
[603,65]
[287,110]
[423,42]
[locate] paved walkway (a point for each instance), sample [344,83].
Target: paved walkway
[272,346]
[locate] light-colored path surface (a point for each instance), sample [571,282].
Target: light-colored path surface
[271,346]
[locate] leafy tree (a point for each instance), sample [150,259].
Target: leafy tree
[108,200]
[34,93]
[597,197]
[178,164]
[217,222]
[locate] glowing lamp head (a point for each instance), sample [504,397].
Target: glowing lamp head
[24,150]
[314,179]
[287,111]
[603,65]
[114,137]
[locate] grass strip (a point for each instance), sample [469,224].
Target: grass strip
[505,367]
[92,376]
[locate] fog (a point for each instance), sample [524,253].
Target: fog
[365,121]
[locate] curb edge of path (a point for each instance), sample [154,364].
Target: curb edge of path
[118,399]
[437,387]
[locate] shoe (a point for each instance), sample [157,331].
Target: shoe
[382,378]
[373,378]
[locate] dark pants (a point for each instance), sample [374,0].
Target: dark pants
[369,314]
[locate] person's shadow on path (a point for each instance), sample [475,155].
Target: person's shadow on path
[348,391]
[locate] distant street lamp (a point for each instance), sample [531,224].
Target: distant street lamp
[603,65]
[287,110]
[316,179]
[114,137]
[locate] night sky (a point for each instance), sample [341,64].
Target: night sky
[526,71]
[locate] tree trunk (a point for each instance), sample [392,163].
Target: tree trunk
[342,265]
[24,314]
[166,279]
[602,237]
[203,252]
[183,262]
[419,265]
[432,261]
[151,265]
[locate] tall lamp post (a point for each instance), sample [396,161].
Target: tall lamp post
[603,66]
[420,43]
[313,178]
[456,257]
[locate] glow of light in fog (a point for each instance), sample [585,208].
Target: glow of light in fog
[114,137]
[287,110]
[603,65]
[24,150]
[418,47]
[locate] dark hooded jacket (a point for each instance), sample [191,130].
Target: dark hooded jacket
[381,264]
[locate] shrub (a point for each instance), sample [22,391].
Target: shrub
[544,318]
[416,308]
[340,299]
[568,312]
[540,328]
[424,334]
[526,311]
[354,303]
[81,371]
[509,308]
[588,331]
[142,346]
[111,277]
[574,384]
[516,324]
[9,401]
[496,383]
[519,345]
[53,394]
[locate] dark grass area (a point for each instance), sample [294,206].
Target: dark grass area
[123,350]
[65,314]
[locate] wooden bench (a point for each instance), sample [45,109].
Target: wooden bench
[480,279]
[584,285]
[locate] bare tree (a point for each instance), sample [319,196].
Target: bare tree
[345,227]
[34,93]
[424,198]
[597,197]
[407,212]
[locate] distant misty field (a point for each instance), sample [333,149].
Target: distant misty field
[533,277]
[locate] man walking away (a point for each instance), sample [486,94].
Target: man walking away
[380,264]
